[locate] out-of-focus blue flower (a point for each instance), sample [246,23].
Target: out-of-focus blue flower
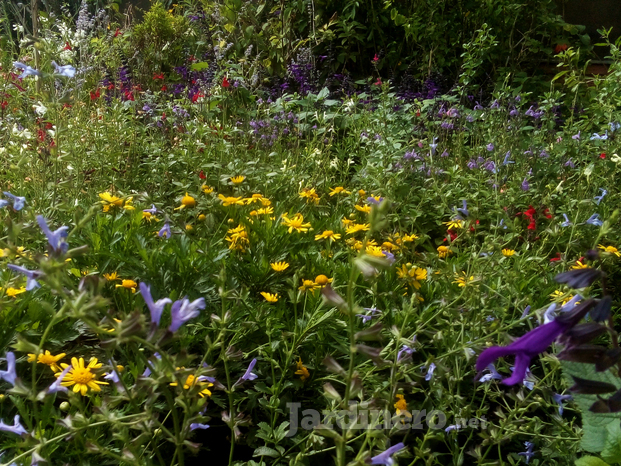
[405,352]
[502,224]
[598,199]
[558,399]
[507,160]
[490,147]
[184,310]
[3,203]
[112,376]
[543,154]
[16,428]
[67,71]
[384,458]
[153,210]
[147,371]
[614,126]
[569,164]
[26,70]
[525,312]
[444,154]
[528,454]
[390,257]
[371,200]
[464,208]
[196,425]
[566,223]
[18,201]
[10,374]
[493,374]
[55,238]
[595,220]
[550,314]
[452,427]
[56,386]
[373,312]
[525,185]
[31,276]
[155,308]
[433,146]
[495,104]
[429,375]
[165,231]
[598,137]
[576,136]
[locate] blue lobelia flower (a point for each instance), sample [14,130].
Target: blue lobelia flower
[432,367]
[528,454]
[507,160]
[196,425]
[595,220]
[16,428]
[67,70]
[385,457]
[597,137]
[18,201]
[433,146]
[248,375]
[566,223]
[569,164]
[464,208]
[406,352]
[558,399]
[493,374]
[155,308]
[614,126]
[153,210]
[184,310]
[10,374]
[31,276]
[576,136]
[26,70]
[599,198]
[165,231]
[56,386]
[525,312]
[56,238]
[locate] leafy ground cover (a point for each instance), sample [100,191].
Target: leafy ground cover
[180,269]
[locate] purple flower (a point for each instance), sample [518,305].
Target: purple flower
[385,457]
[373,201]
[490,147]
[156,308]
[405,353]
[184,310]
[147,371]
[56,386]
[495,104]
[26,70]
[10,374]
[525,312]
[507,160]
[452,427]
[31,276]
[576,136]
[464,208]
[492,375]
[56,238]
[196,425]
[595,220]
[524,348]
[559,400]
[433,146]
[390,257]
[569,164]
[153,210]
[525,185]
[432,367]
[248,375]
[372,313]
[444,154]
[490,165]
[18,202]
[528,454]
[543,154]
[16,428]
[566,223]
[67,70]
[598,137]
[598,199]
[165,231]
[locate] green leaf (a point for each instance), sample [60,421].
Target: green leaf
[266,451]
[590,461]
[201,65]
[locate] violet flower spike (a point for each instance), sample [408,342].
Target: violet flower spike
[525,185]
[31,276]
[385,457]
[155,308]
[569,164]
[56,386]
[16,428]
[18,201]
[598,199]
[528,454]
[196,425]
[3,203]
[10,374]
[184,310]
[558,399]
[56,238]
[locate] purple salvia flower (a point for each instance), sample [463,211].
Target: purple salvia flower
[56,386]
[165,231]
[153,210]
[147,371]
[507,160]
[155,308]
[598,199]
[464,208]
[528,454]
[113,376]
[405,353]
[490,147]
[390,257]
[495,104]
[56,238]
[525,185]
[18,201]
[26,70]
[16,428]
[550,314]
[196,425]
[432,367]
[566,223]
[595,220]
[558,399]
[598,137]
[384,458]
[569,164]
[248,375]
[31,276]
[184,310]
[444,154]
[10,374]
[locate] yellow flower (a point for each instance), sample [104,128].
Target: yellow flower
[81,377]
[269,297]
[238,237]
[202,217]
[401,406]
[558,296]
[296,223]
[108,201]
[228,200]
[302,371]
[328,234]
[414,275]
[128,285]
[454,224]
[111,276]
[579,265]
[128,204]
[356,227]
[148,216]
[338,190]
[207,189]
[310,195]
[375,251]
[186,201]
[610,250]
[237,179]
[279,266]
[188,227]
[363,208]
[409,238]
[308,285]
[443,251]
[322,280]
[48,359]
[255,198]
[192,381]
[388,245]
[346,221]
[463,280]
[508,252]
[12,292]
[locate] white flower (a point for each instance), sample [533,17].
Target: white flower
[40,109]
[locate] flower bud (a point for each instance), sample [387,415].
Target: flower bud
[64,406]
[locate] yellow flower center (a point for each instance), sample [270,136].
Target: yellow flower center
[82,376]
[47,359]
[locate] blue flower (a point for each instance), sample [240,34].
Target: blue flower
[147,371]
[56,238]
[432,367]
[525,185]
[559,400]
[598,137]
[31,276]
[507,160]
[153,210]
[528,454]
[56,386]
[155,308]
[525,312]
[598,199]
[566,223]
[405,352]
[452,427]
[18,202]
[493,374]
[569,164]
[113,376]
[595,220]
[26,70]
[490,147]
[10,374]
[16,428]
[165,231]
[68,71]
[196,425]
[184,310]
[576,136]
[248,375]
[385,457]
[614,126]
[433,146]
[464,208]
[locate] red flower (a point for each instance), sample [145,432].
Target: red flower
[110,86]
[560,48]
[129,96]
[67,46]
[158,76]
[4,104]
[163,115]
[375,58]
[117,32]
[197,96]
[225,82]
[95,95]
[201,175]
[602,155]
[378,82]
[532,225]
[66,106]
[49,125]
[41,135]
[453,234]
[556,258]
[546,213]
[164,88]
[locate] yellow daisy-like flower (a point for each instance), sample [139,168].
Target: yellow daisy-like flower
[228,200]
[363,208]
[108,201]
[375,251]
[12,292]
[238,237]
[237,179]
[279,266]
[81,377]
[111,276]
[149,217]
[128,204]
[559,296]
[48,359]
[309,285]
[609,250]
[362,193]
[463,280]
[269,297]
[296,223]
[346,222]
[302,371]
[409,238]
[310,195]
[186,201]
[454,224]
[192,381]
[128,285]
[338,190]
[401,406]
[508,252]
[202,217]
[328,234]
[356,227]
[265,211]
[444,251]
[254,198]
[207,189]
[414,275]
[322,280]
[579,265]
